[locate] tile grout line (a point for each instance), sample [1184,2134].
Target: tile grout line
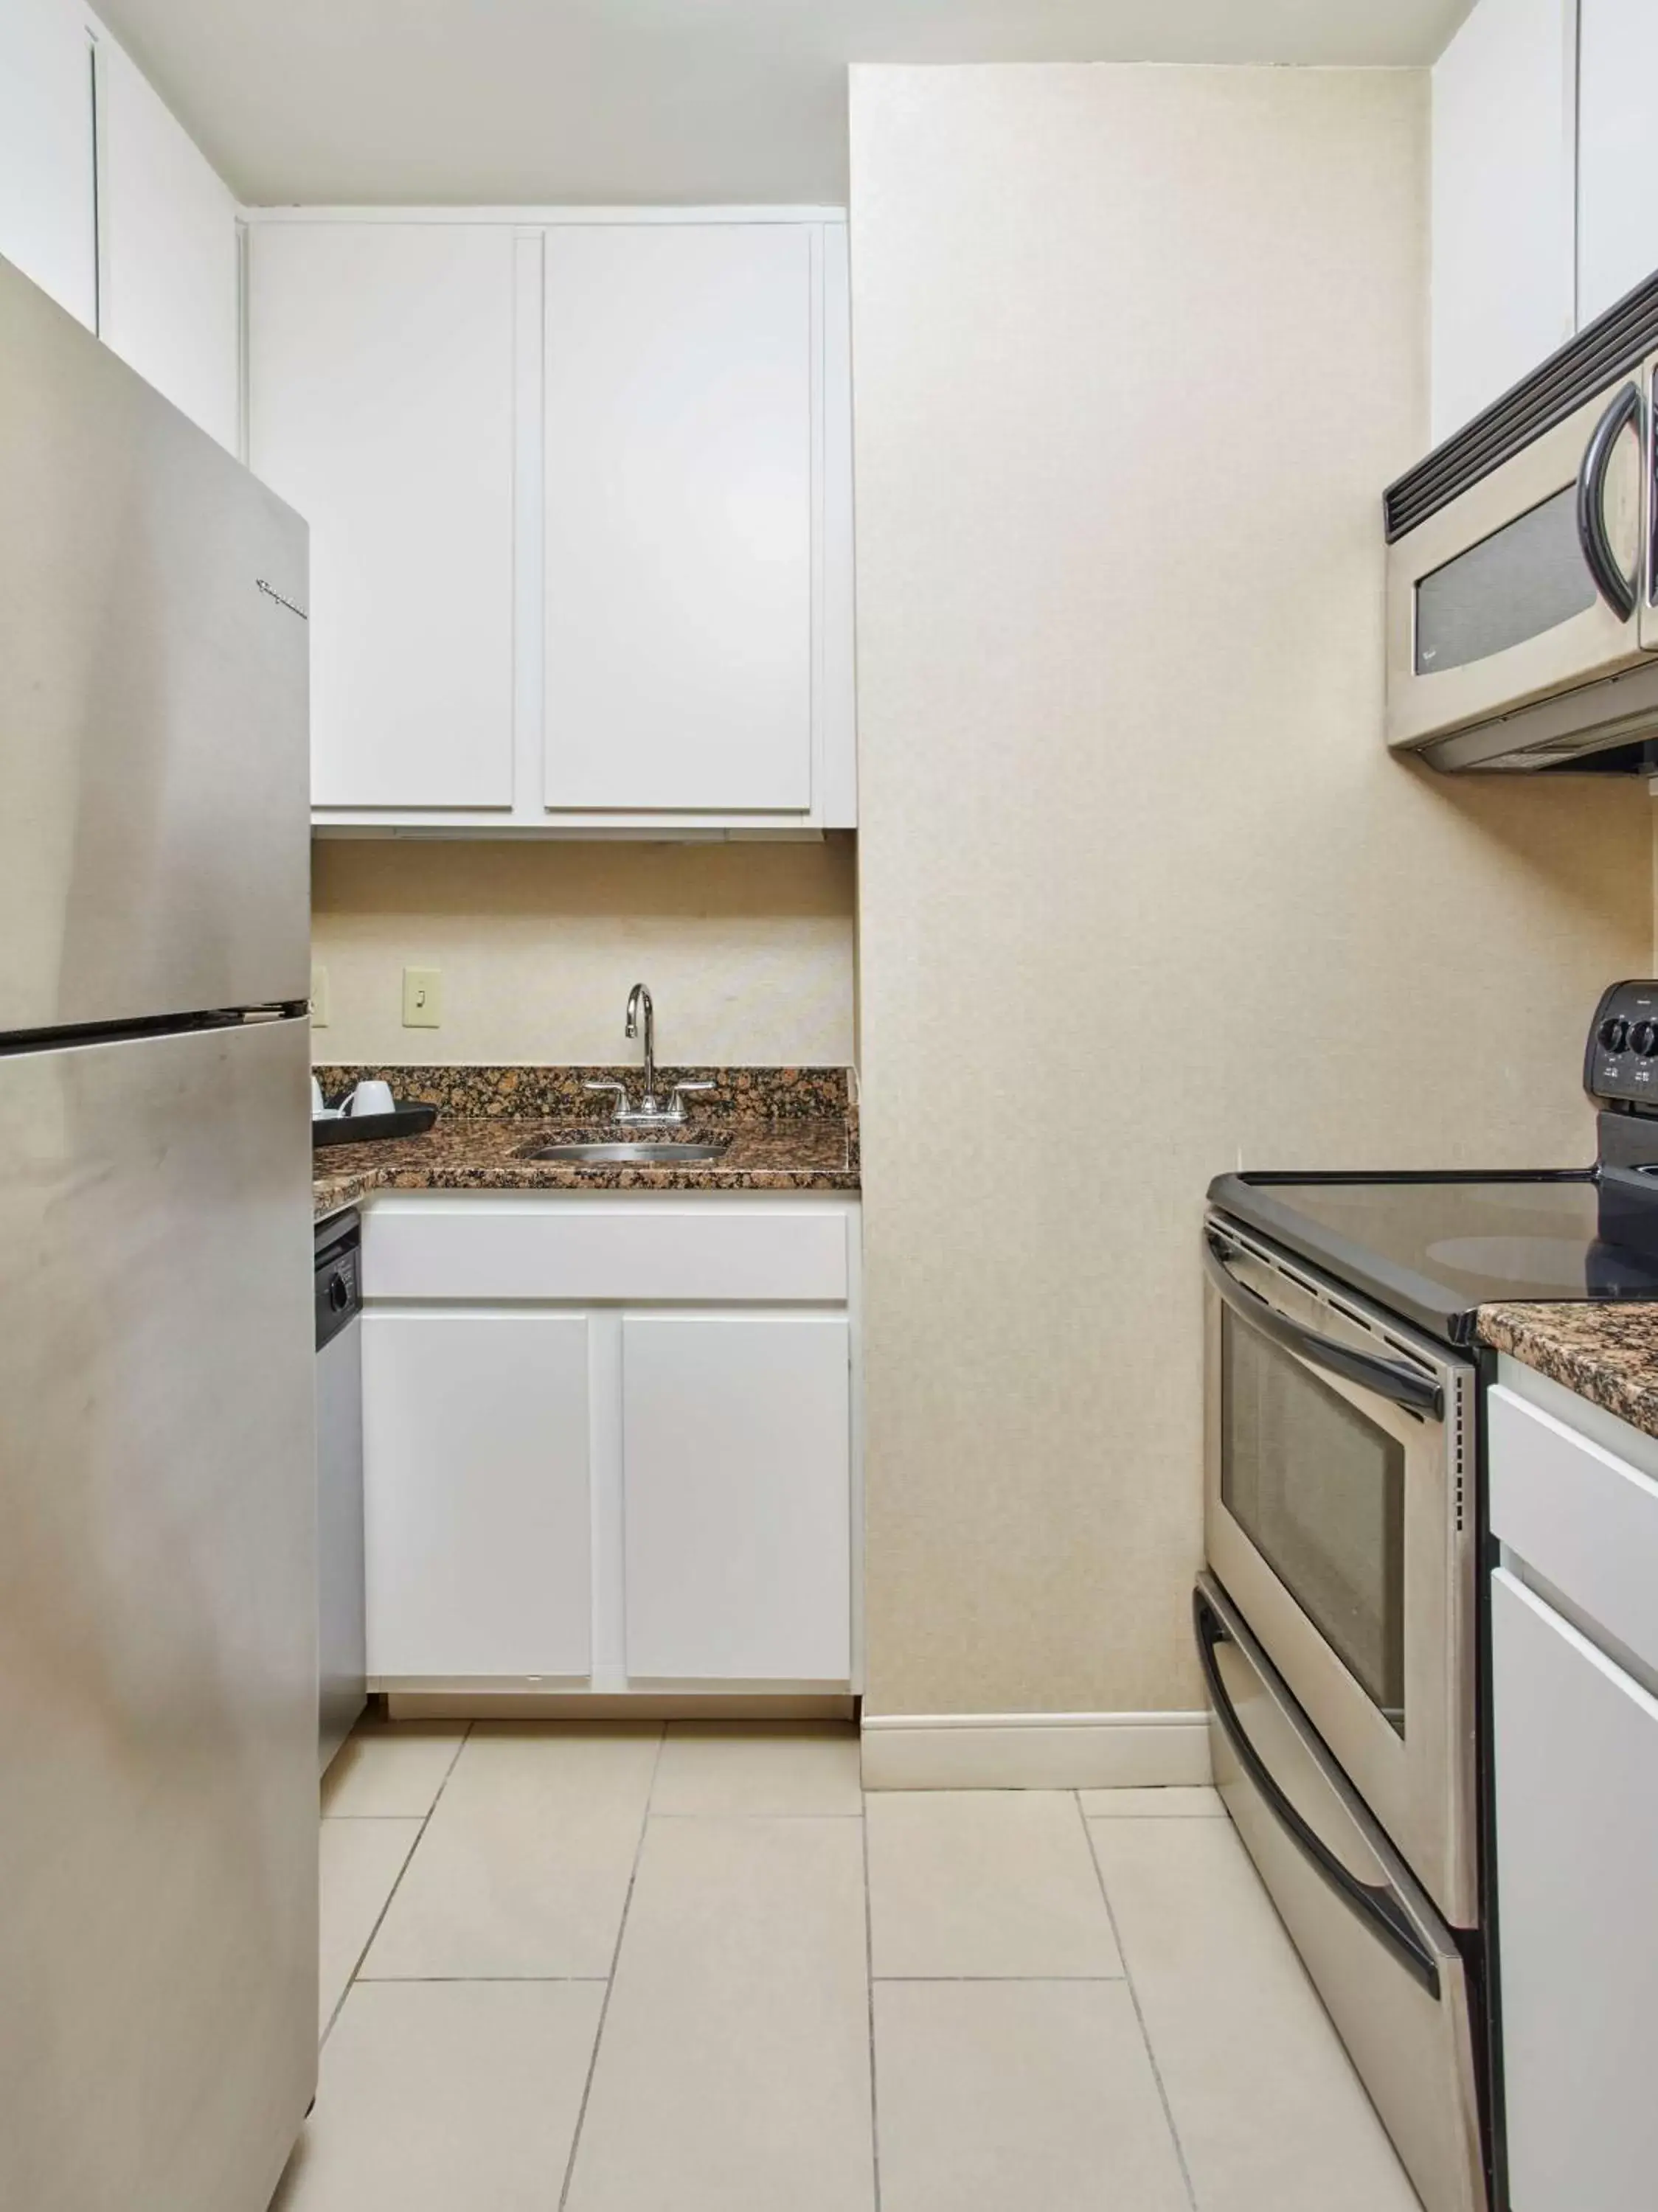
[610,1980]
[1134,1999]
[356,1973]
[346,1819]
[869,1988]
[393,1981]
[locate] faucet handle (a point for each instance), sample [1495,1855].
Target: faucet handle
[609,1083]
[676,1104]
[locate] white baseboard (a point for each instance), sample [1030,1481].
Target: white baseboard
[1035,1750]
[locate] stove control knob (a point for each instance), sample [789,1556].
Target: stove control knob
[1613,1033]
[1644,1038]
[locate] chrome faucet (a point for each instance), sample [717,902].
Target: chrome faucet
[638,997]
[648,1113]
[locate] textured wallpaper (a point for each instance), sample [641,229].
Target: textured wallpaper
[1142,895]
[746,948]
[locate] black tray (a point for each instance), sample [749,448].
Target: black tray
[361,1129]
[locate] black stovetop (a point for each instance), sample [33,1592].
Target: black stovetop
[1433,1249]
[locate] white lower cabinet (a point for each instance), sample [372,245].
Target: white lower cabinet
[735,1467]
[476,1493]
[610,1446]
[1576,1761]
[1574,1500]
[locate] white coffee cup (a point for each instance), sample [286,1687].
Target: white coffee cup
[371,1097]
[316,1100]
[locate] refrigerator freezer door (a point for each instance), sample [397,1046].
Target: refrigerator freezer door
[155,803]
[158,1792]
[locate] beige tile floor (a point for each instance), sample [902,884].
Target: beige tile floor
[693,1969]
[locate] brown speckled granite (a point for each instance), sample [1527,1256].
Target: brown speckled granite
[1607,1352]
[556,1093]
[479,1143]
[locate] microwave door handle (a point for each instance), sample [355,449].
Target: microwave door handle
[1617,591]
[1376,1907]
[1390,1379]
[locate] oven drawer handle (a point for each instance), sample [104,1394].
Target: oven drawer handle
[1613,585]
[1388,1378]
[1377,1908]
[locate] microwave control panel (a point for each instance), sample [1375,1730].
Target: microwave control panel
[1621,1067]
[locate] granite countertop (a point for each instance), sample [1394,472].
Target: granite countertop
[1607,1352]
[782,1129]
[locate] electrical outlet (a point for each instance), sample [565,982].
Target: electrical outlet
[422,999]
[319,998]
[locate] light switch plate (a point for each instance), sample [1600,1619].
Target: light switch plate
[319,998]
[422,999]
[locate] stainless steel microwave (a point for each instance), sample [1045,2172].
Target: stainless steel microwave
[1522,572]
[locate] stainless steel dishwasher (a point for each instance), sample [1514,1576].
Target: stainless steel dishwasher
[340,1638]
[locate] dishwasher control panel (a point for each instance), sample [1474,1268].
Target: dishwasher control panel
[339,1284]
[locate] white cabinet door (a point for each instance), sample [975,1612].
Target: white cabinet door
[380,393]
[679,432]
[1618,209]
[735,1484]
[476,1493]
[47,208]
[169,287]
[1576,1762]
[1502,202]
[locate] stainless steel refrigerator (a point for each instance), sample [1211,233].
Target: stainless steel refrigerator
[157,1540]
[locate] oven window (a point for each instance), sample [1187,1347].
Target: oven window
[1319,1490]
[1525,578]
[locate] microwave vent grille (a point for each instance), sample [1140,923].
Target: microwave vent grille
[1610,347]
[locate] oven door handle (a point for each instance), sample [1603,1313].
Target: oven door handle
[1388,1378]
[1377,1908]
[1617,591]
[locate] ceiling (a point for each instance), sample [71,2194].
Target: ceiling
[588,101]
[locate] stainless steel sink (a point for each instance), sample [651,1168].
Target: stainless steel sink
[640,1155]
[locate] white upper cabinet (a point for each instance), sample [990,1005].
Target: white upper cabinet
[679,519]
[106,202]
[1617,209]
[381,405]
[1501,201]
[48,215]
[1544,213]
[168,284]
[579,491]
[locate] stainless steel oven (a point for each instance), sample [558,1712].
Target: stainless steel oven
[1339,1516]
[1336,1627]
[1351,1321]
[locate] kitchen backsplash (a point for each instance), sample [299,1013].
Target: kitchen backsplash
[747,949]
[557,1093]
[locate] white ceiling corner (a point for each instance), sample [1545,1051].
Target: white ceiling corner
[634,101]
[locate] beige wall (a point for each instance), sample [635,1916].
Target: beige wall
[1142,894]
[747,949]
